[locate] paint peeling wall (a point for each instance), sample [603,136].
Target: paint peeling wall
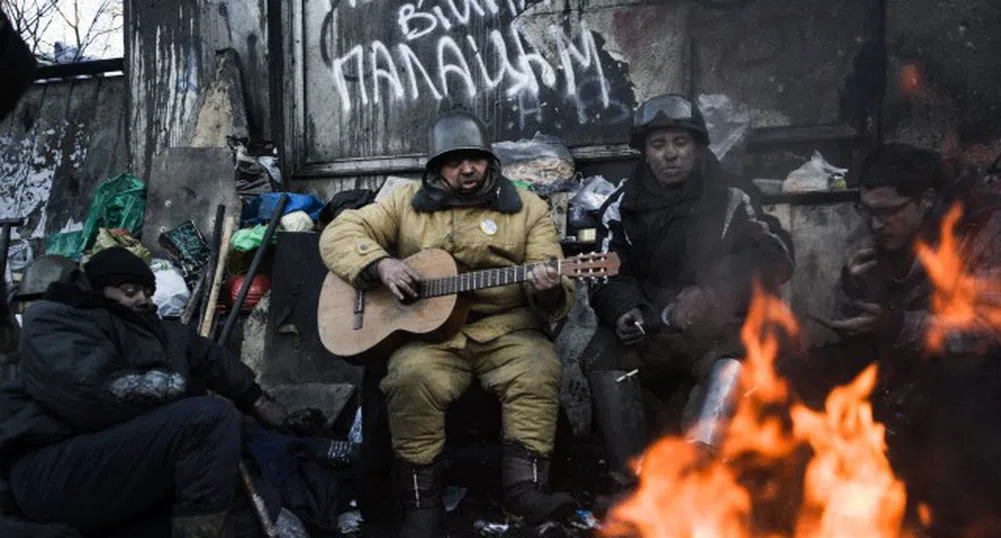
[170,53]
[63,139]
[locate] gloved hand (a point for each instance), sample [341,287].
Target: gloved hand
[271,414]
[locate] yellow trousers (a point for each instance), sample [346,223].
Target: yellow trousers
[521,368]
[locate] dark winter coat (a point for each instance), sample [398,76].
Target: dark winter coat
[901,285]
[88,364]
[710,231]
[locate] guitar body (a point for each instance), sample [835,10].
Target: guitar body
[385,321]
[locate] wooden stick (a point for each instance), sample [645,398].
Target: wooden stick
[220,270]
[259,509]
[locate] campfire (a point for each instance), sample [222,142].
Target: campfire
[756,486]
[785,470]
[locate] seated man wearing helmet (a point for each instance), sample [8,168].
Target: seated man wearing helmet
[466,207]
[692,240]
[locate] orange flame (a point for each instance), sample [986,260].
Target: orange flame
[848,487]
[961,301]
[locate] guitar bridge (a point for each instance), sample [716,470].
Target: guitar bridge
[359,310]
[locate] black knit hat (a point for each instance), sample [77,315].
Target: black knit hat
[116,266]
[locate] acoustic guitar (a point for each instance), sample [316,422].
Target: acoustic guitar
[352,322]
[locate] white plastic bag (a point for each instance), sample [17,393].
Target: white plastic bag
[727,121]
[815,175]
[172,292]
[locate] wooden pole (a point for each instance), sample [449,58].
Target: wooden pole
[220,270]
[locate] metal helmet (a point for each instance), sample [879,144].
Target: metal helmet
[457,131]
[40,273]
[665,111]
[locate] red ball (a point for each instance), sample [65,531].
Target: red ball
[258,287]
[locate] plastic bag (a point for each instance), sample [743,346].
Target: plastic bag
[727,121]
[118,203]
[298,221]
[542,161]
[815,175]
[262,208]
[586,202]
[119,238]
[248,239]
[172,292]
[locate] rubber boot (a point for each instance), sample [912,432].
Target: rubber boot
[201,526]
[525,477]
[423,510]
[618,406]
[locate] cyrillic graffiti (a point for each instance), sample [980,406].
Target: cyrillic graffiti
[438,55]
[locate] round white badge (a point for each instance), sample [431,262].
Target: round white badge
[488,226]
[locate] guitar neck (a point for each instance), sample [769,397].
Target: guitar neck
[478,280]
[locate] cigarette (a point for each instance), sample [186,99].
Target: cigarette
[626,375]
[639,325]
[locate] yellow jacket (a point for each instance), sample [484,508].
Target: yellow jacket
[359,237]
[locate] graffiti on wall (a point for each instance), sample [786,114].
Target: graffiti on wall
[468,51]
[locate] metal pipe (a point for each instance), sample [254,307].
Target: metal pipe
[252,271]
[718,403]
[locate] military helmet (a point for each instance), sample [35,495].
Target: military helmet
[666,111]
[40,273]
[457,131]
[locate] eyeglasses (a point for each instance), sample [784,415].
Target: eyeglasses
[664,107]
[881,213]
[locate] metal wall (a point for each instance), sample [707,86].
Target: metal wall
[63,139]
[363,78]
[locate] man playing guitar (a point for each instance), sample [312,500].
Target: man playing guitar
[467,208]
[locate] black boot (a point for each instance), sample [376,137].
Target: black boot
[201,526]
[423,510]
[526,487]
[618,405]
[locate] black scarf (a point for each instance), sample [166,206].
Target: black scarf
[497,193]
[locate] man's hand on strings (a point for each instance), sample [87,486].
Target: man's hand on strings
[544,277]
[398,277]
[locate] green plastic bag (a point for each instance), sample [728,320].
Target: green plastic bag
[119,202]
[248,239]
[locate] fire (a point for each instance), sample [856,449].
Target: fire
[961,301]
[847,486]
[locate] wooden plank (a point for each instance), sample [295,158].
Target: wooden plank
[47,155]
[73,184]
[17,133]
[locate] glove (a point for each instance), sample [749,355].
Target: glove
[270,413]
